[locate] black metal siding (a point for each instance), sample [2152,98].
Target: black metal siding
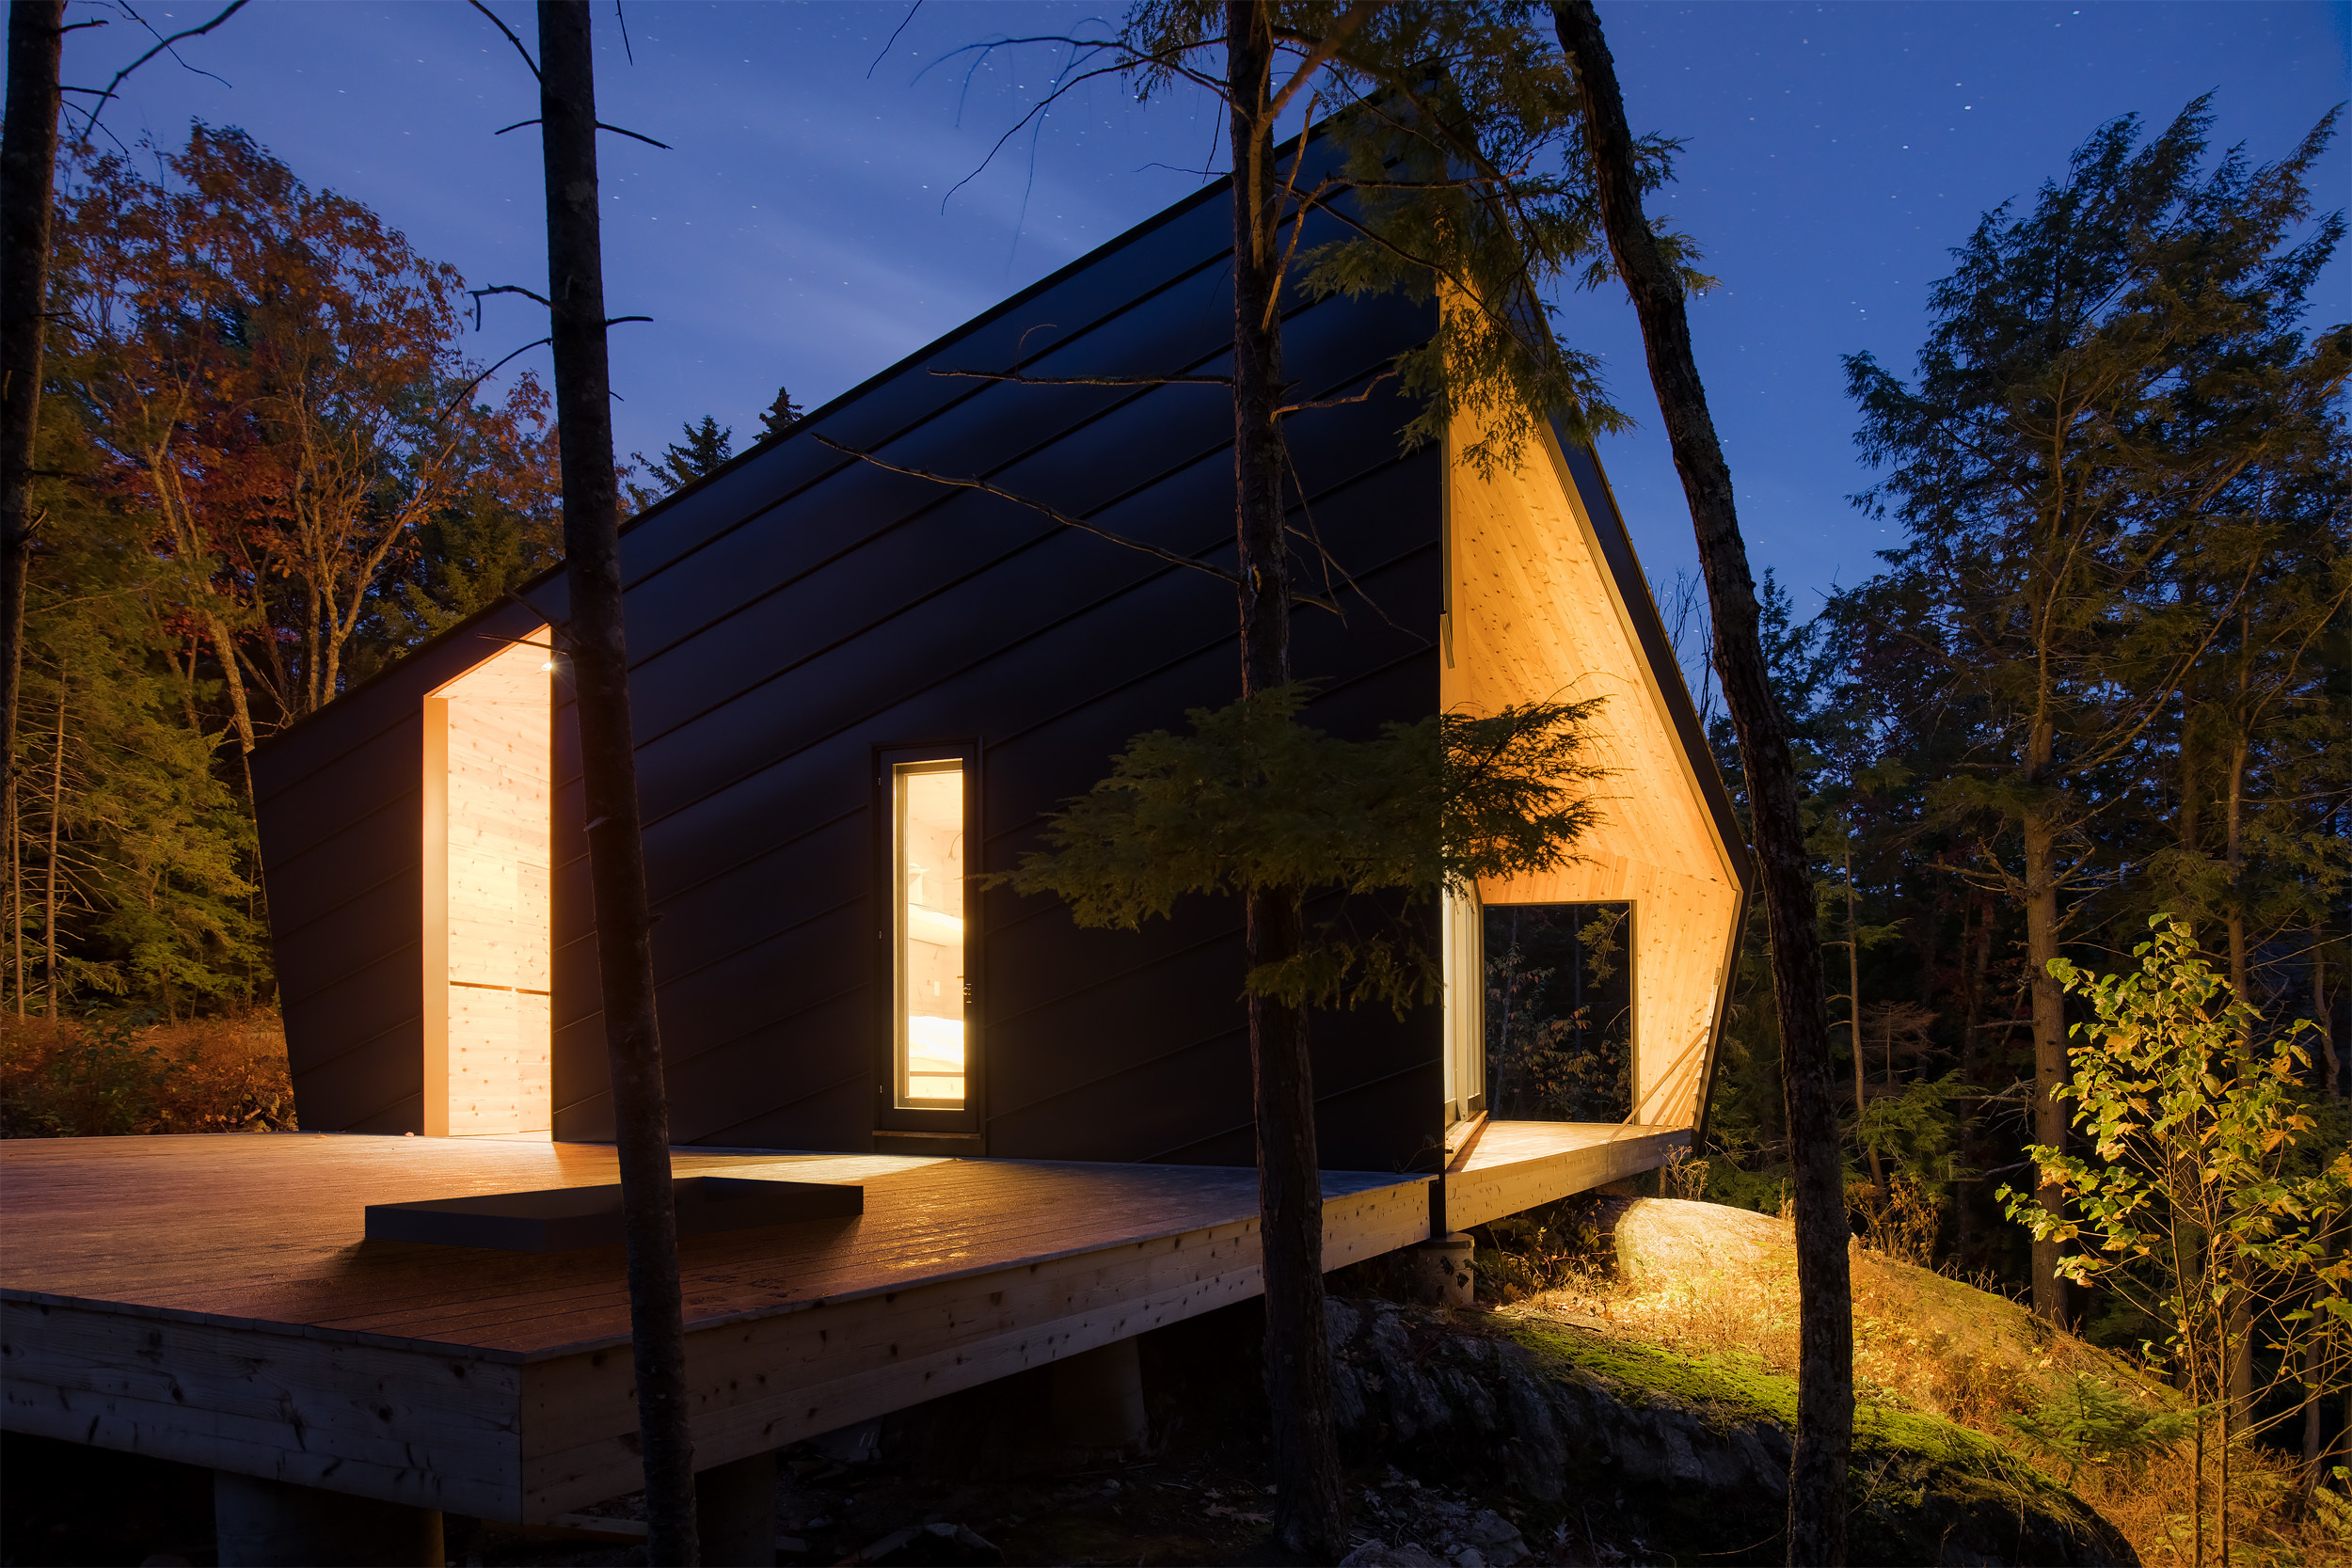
[804,607]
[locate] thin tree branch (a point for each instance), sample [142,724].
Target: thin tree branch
[91,123]
[1365,396]
[1017,378]
[503,289]
[466,390]
[510,36]
[617,130]
[1064,518]
[1323,48]
[893,38]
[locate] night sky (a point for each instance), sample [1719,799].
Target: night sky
[802,232]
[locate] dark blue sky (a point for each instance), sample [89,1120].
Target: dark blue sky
[796,235]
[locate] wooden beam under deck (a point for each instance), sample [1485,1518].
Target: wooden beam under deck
[1511,1166]
[210,1299]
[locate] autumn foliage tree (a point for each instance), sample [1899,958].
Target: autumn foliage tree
[275,377]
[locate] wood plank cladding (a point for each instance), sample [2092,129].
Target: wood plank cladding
[486,917]
[1545,603]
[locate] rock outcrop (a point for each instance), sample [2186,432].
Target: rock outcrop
[1674,1455]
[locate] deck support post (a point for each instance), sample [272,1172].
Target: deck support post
[277,1523]
[1097,1397]
[735,1508]
[1442,1276]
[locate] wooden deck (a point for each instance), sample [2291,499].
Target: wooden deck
[211,1299]
[1507,1166]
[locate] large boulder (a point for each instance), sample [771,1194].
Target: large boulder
[1664,1240]
[1674,1456]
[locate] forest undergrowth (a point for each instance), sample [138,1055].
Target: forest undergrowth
[1925,1341]
[132,1073]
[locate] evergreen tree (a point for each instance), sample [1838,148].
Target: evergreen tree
[129,859]
[707,447]
[782,414]
[2111,410]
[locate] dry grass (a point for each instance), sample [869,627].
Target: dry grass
[99,1077]
[1927,1342]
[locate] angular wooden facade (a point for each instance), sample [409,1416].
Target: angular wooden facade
[800,618]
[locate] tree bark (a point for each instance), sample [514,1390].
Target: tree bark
[28,169]
[1824,1434]
[1310,1513]
[2049,1030]
[599,659]
[49,903]
[1854,1021]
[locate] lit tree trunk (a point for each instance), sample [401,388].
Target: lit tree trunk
[2234,847]
[599,659]
[1853,1019]
[29,166]
[49,901]
[1824,1434]
[1309,1516]
[2040,836]
[16,895]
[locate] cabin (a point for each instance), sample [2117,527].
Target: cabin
[859,680]
[854,687]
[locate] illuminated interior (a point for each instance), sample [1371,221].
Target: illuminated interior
[928,1009]
[488,777]
[1463,954]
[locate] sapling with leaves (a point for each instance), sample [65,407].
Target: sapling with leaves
[2198,1203]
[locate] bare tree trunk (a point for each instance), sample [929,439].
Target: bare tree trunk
[49,901]
[1853,1019]
[28,169]
[1824,1434]
[2323,1013]
[599,658]
[1310,1516]
[2049,1012]
[232,678]
[16,894]
[2233,828]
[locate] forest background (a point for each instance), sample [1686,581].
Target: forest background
[2106,668]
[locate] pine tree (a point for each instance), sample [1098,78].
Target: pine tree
[131,868]
[2111,409]
[782,414]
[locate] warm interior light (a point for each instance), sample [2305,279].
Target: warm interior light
[549,664]
[927,854]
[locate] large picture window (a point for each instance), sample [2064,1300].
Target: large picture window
[929,978]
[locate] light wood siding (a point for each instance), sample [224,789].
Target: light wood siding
[340,801]
[487,913]
[1539,612]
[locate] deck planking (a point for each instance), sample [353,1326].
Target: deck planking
[212,1299]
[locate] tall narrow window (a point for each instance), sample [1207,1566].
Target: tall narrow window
[929,978]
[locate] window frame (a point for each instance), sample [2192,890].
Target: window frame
[889,1117]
